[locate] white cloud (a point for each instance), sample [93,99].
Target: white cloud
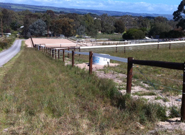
[118,5]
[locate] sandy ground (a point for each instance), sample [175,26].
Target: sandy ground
[51,42]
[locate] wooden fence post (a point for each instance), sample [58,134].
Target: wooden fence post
[129,75]
[51,52]
[90,62]
[124,49]
[183,97]
[55,51]
[63,55]
[68,53]
[79,50]
[158,47]
[58,53]
[73,58]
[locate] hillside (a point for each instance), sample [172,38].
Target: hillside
[33,8]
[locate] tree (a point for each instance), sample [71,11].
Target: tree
[178,15]
[107,24]
[6,17]
[158,28]
[90,28]
[172,34]
[81,30]
[1,17]
[56,26]
[38,28]
[134,34]
[67,27]
[48,18]
[63,26]
[119,26]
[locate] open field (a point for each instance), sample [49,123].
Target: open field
[40,95]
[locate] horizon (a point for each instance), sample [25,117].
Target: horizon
[135,6]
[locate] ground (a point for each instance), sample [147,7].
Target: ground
[51,42]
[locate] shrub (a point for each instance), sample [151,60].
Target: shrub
[6,43]
[134,34]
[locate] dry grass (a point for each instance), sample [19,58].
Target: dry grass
[40,95]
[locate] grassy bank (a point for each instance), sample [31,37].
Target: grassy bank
[42,96]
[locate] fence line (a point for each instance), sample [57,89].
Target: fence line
[130,45]
[130,61]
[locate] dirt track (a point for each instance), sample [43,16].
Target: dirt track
[51,42]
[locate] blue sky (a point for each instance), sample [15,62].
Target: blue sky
[136,6]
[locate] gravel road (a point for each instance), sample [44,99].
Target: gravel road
[8,54]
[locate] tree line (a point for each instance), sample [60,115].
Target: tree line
[51,24]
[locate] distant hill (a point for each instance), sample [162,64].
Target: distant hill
[32,8]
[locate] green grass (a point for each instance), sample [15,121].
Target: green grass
[114,37]
[144,93]
[39,95]
[168,80]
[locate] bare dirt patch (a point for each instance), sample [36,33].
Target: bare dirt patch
[49,42]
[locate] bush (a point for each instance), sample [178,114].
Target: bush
[134,34]
[141,109]
[171,34]
[6,43]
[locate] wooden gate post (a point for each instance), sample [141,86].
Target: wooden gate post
[73,58]
[129,75]
[90,62]
[183,97]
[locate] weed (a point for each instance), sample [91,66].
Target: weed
[158,98]
[144,93]
[174,112]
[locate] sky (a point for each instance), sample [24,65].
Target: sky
[135,6]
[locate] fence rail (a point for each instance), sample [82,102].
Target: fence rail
[130,61]
[131,45]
